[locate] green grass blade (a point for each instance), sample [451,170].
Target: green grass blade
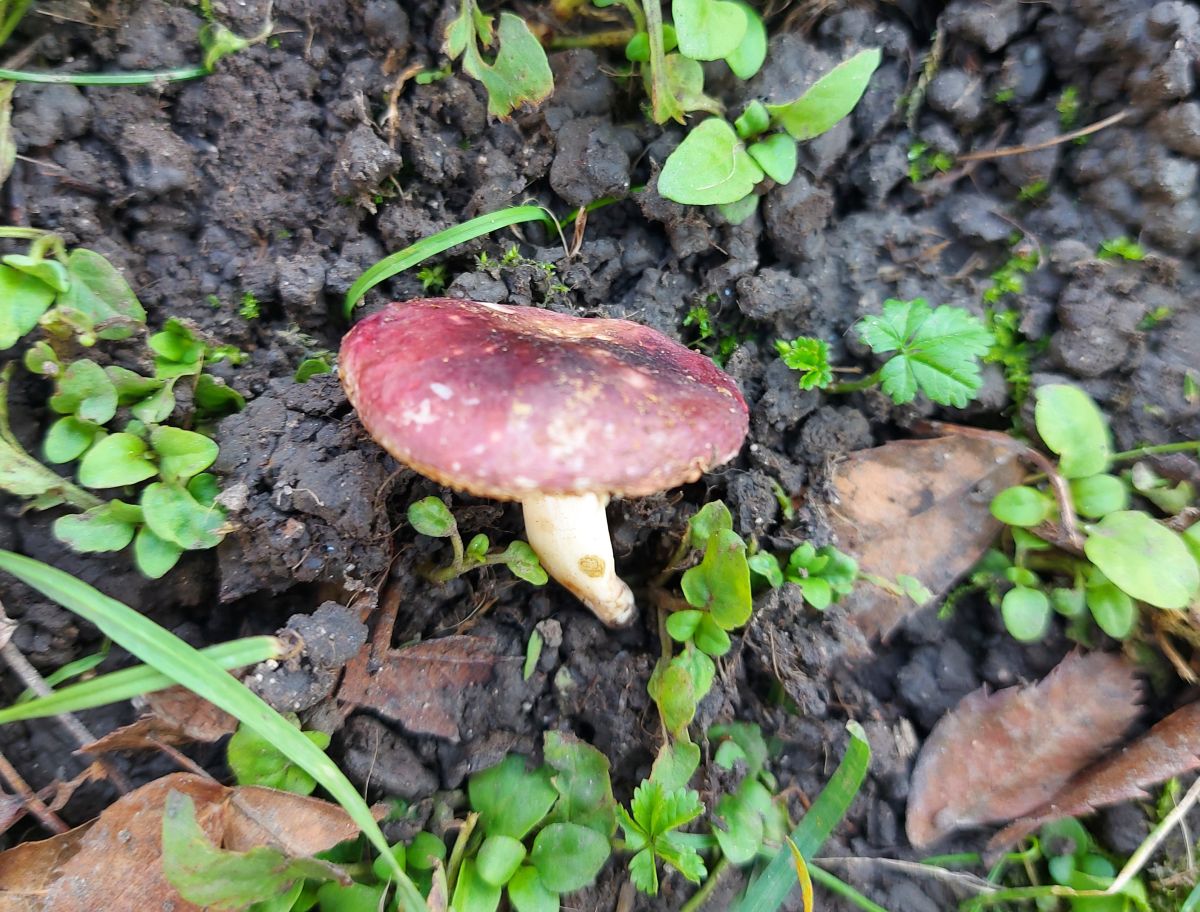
[128,683]
[69,671]
[185,665]
[142,77]
[769,891]
[840,888]
[1192,903]
[439,243]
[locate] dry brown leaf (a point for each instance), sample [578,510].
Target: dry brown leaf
[424,687]
[998,756]
[920,508]
[190,714]
[114,862]
[1170,748]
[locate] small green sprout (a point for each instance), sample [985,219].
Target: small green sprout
[1068,107]
[431,517]
[1033,191]
[924,162]
[937,353]
[1128,557]
[810,357]
[249,309]
[313,366]
[1010,278]
[433,278]
[1121,247]
[1005,95]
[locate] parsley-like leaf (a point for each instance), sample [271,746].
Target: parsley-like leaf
[938,351]
[810,357]
[649,831]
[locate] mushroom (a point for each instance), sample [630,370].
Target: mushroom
[558,412]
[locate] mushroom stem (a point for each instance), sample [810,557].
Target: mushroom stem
[569,534]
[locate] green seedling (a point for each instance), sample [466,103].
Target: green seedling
[650,826]
[717,346]
[1010,277]
[433,278]
[925,162]
[249,309]
[748,822]
[431,517]
[1012,351]
[1068,108]
[255,760]
[518,72]
[113,421]
[1123,557]
[1033,192]
[936,352]
[313,366]
[719,163]
[1121,248]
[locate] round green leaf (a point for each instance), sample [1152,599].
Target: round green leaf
[382,869]
[1144,558]
[526,893]
[174,515]
[817,592]
[522,561]
[776,155]
[710,167]
[676,696]
[85,391]
[477,547]
[52,272]
[721,582]
[1026,613]
[708,29]
[425,851]
[568,856]
[710,518]
[710,638]
[471,892]
[68,438]
[1099,495]
[158,406]
[753,121]
[1022,506]
[429,516]
[154,556]
[1071,425]
[99,292]
[1114,611]
[830,98]
[747,58]
[181,454]
[1068,602]
[681,625]
[498,859]
[25,299]
[117,460]
[93,531]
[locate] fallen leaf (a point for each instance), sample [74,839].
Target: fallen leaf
[918,508]
[190,714]
[55,795]
[998,756]
[1170,748]
[114,862]
[424,687]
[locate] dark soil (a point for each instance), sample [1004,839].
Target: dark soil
[284,175]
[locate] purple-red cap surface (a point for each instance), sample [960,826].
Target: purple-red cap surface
[506,401]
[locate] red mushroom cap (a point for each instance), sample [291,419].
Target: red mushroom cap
[503,401]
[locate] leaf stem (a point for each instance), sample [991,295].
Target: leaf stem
[663,104]
[701,896]
[853,386]
[140,77]
[605,39]
[1158,449]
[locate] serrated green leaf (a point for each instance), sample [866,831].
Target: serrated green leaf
[1073,427]
[809,356]
[708,29]
[25,300]
[711,166]
[1144,559]
[829,99]
[643,873]
[937,351]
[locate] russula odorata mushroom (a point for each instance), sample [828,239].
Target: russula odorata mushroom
[558,412]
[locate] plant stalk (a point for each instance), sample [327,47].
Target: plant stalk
[853,386]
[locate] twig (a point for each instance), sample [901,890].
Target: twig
[934,872]
[33,680]
[1055,141]
[1139,858]
[50,820]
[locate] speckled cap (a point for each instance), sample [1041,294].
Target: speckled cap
[502,402]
